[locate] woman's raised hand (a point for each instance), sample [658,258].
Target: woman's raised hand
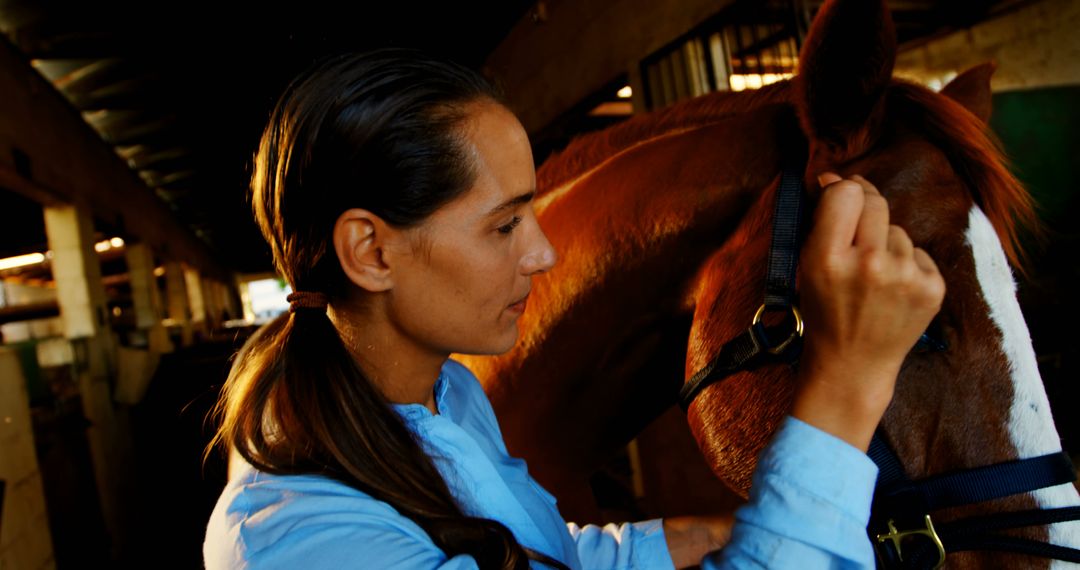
[867,295]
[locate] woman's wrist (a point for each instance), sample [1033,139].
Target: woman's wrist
[844,401]
[690,538]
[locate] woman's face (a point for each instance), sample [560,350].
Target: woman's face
[464,284]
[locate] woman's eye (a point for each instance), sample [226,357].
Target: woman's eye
[505,229]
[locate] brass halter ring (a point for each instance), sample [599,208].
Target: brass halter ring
[795,334]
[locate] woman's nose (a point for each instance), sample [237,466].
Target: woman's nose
[541,256]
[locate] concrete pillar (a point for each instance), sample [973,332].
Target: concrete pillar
[81,297]
[176,301]
[232,300]
[220,291]
[25,540]
[196,300]
[149,309]
[136,364]
[215,303]
[140,266]
[76,270]
[207,287]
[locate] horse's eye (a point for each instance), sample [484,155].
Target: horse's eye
[933,340]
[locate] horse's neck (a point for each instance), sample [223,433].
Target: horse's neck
[592,150]
[651,213]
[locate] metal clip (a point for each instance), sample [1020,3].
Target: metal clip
[897,535]
[797,332]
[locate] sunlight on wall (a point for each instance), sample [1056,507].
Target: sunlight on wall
[741,82]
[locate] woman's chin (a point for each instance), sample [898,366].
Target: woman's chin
[497,346]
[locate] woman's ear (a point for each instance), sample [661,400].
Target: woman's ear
[360,240]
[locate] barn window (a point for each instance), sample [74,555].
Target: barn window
[746,46]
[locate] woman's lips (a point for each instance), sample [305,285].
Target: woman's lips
[519,307]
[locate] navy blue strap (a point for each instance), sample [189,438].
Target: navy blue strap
[890,471]
[784,252]
[1017,519]
[736,355]
[976,485]
[1002,543]
[744,352]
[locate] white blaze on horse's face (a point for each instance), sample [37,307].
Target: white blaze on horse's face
[1031,427]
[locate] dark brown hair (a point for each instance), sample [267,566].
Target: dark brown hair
[380,131]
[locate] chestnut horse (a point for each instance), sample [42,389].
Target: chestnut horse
[662,224]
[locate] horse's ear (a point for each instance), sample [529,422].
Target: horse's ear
[845,66]
[972,90]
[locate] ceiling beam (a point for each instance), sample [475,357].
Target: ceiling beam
[563,51]
[52,155]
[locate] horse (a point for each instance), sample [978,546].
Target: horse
[662,224]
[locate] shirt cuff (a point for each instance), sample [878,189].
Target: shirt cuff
[650,545]
[822,465]
[816,489]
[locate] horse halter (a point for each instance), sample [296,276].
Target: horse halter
[755,346]
[897,499]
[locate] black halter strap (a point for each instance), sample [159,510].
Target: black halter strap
[758,345]
[904,535]
[784,250]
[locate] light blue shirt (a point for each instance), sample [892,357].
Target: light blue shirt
[808,509]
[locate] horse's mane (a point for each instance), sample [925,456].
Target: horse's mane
[974,152]
[591,149]
[976,156]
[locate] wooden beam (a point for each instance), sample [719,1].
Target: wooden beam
[66,161]
[28,188]
[29,312]
[563,51]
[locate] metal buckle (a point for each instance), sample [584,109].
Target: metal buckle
[897,535]
[796,333]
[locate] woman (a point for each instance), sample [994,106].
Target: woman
[395,192]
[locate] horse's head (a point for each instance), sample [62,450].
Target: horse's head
[981,399]
[930,155]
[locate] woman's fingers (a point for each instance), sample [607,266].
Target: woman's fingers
[873,230]
[856,214]
[924,261]
[837,215]
[899,244]
[935,282]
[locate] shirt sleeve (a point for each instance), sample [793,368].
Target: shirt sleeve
[356,546]
[809,506]
[623,546]
[270,529]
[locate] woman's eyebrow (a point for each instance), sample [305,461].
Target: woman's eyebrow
[515,201]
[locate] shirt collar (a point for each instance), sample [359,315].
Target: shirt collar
[416,413]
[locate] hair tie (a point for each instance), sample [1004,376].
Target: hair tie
[307,300]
